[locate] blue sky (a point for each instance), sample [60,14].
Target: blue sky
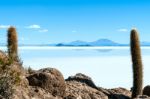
[53,21]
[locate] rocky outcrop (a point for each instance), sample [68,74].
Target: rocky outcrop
[81,86]
[49,83]
[118,93]
[78,90]
[50,79]
[79,77]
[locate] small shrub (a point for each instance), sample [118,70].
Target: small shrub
[30,70]
[8,79]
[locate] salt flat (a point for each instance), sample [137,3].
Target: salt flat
[76,47]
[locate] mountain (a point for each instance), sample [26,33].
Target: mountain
[145,43]
[100,42]
[74,43]
[104,42]
[78,43]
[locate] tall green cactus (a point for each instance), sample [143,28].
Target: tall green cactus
[12,44]
[136,63]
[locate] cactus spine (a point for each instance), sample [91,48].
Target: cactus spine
[136,63]
[12,44]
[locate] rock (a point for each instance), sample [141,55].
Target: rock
[78,90]
[83,79]
[70,96]
[50,80]
[116,93]
[146,90]
[40,93]
[142,97]
[119,93]
[1,97]
[81,86]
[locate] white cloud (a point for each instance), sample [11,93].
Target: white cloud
[4,26]
[122,30]
[43,30]
[34,26]
[37,27]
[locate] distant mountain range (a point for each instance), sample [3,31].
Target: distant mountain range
[100,42]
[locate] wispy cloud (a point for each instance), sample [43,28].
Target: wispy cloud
[34,26]
[4,26]
[74,31]
[43,30]
[122,30]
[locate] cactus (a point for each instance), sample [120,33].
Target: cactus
[12,44]
[136,63]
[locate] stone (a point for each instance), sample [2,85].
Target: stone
[49,79]
[83,79]
[146,90]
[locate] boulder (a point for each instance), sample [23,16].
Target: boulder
[81,86]
[79,77]
[119,93]
[49,79]
[78,90]
[146,90]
